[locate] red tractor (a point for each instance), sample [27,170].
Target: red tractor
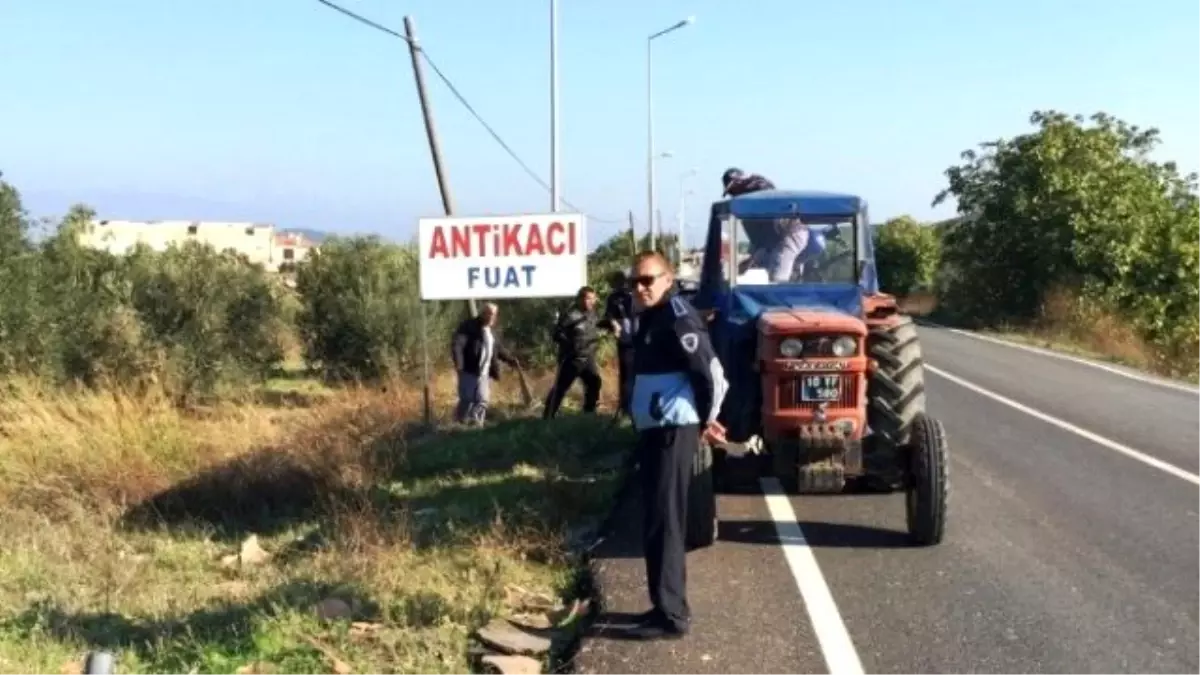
[826,384]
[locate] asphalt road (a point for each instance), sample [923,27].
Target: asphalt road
[1071,546]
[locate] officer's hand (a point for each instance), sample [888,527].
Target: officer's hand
[713,433]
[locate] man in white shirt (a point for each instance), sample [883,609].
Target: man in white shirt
[476,351]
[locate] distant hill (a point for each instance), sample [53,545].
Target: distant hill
[317,236]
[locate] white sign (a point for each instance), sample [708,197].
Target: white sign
[502,257]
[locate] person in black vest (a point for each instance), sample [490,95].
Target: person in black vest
[577,334]
[620,321]
[476,351]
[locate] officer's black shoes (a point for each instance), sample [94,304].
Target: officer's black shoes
[657,631]
[653,625]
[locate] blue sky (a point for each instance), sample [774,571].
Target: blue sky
[286,111]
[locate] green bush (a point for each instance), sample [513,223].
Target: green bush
[191,318]
[1082,207]
[360,314]
[907,254]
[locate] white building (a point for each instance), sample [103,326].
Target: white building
[257,241]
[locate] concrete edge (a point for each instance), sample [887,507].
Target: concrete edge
[611,531]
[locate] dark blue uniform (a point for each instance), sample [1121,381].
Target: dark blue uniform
[678,388]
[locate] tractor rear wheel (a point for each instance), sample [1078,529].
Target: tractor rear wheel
[895,395]
[702,501]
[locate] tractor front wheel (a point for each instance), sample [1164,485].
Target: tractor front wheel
[928,486]
[702,501]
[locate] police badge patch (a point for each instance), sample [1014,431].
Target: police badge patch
[678,307]
[690,342]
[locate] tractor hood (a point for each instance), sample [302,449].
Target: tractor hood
[752,301]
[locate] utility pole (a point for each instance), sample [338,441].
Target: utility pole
[447,202]
[632,235]
[434,149]
[555,188]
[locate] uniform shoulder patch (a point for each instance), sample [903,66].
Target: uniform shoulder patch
[679,307]
[690,342]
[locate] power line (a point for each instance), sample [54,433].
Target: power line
[466,104]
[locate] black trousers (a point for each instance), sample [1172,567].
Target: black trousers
[625,377]
[666,458]
[569,371]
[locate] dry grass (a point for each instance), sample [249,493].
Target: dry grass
[1067,325]
[121,516]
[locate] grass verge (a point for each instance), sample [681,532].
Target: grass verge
[1065,328]
[318,533]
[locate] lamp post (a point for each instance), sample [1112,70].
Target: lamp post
[650,206]
[555,194]
[683,195]
[654,227]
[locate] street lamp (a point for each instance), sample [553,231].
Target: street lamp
[650,121]
[654,228]
[555,189]
[555,195]
[683,195]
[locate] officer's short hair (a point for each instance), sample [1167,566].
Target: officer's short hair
[584,290]
[654,255]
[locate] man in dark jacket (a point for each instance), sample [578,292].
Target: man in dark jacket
[678,390]
[577,335]
[476,351]
[620,321]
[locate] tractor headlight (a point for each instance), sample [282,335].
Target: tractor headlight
[791,348]
[844,346]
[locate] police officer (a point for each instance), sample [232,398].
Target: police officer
[678,389]
[577,335]
[619,318]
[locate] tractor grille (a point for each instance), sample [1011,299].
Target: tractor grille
[789,394]
[819,345]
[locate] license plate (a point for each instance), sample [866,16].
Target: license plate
[820,387]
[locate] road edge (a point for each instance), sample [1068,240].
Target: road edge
[613,532]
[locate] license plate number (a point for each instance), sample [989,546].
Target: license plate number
[820,387]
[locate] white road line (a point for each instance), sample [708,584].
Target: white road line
[1067,357]
[1067,426]
[836,646]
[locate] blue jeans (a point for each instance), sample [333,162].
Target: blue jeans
[474,391]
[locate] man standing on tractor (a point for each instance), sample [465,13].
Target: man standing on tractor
[577,335]
[790,236]
[618,313]
[678,390]
[736,182]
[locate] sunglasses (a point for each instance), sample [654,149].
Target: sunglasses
[646,280]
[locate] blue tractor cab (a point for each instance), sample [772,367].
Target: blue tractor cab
[824,373]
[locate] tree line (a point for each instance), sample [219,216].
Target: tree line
[201,322]
[1077,205]
[1074,218]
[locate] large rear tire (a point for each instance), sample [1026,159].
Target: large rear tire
[702,501]
[929,484]
[895,395]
